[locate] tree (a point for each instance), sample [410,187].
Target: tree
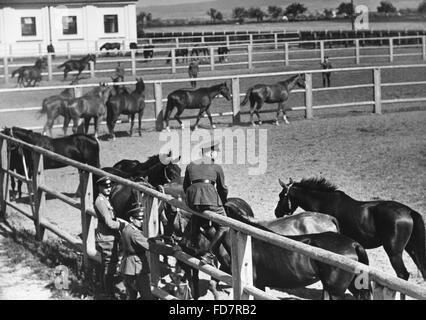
[346,9]
[422,7]
[386,7]
[239,13]
[219,16]
[256,13]
[328,13]
[212,14]
[295,9]
[275,11]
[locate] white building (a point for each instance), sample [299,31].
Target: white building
[28,26]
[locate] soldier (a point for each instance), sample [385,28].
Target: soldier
[107,235]
[205,189]
[193,72]
[134,265]
[326,64]
[119,73]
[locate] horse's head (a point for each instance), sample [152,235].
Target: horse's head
[170,168]
[140,85]
[300,81]
[41,63]
[285,206]
[224,91]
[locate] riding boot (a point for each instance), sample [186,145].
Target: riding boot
[108,283]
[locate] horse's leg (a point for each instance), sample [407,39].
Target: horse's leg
[200,113]
[140,122]
[95,124]
[177,117]
[252,106]
[259,105]
[210,118]
[86,124]
[67,120]
[132,123]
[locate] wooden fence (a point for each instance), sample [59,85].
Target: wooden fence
[309,107]
[249,55]
[241,234]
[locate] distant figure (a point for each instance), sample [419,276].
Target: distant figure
[193,72]
[119,73]
[51,49]
[326,64]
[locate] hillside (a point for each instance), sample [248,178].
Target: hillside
[196,9]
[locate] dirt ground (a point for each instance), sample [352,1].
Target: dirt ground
[367,156]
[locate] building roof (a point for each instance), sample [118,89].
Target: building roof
[13,3]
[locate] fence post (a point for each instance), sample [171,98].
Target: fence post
[10,52]
[276,41]
[158,94]
[39,195]
[357,56]
[86,189]
[40,50]
[92,69]
[177,42]
[6,69]
[424,47]
[68,50]
[308,96]
[133,56]
[391,49]
[286,54]
[251,39]
[151,229]
[242,267]
[322,51]
[3,184]
[377,91]
[173,57]
[250,56]
[212,58]
[227,41]
[49,66]
[96,49]
[236,113]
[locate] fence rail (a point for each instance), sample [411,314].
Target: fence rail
[241,233]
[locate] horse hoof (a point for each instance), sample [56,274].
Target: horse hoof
[213,127]
[277,123]
[253,124]
[168,129]
[260,123]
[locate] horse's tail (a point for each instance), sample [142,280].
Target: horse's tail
[247,96]
[417,242]
[363,293]
[62,65]
[43,109]
[15,72]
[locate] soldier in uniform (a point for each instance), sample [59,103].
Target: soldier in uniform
[107,235]
[205,189]
[119,73]
[134,266]
[326,64]
[193,72]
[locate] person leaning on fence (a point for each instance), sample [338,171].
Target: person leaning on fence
[326,64]
[204,185]
[193,72]
[107,235]
[134,266]
[119,73]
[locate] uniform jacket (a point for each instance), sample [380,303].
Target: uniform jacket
[326,65]
[205,193]
[108,227]
[134,258]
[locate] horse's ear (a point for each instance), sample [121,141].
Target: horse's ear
[290,181]
[282,184]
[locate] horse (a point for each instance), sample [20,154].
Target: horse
[78,147]
[183,52]
[223,52]
[193,72]
[200,50]
[194,99]
[148,51]
[55,106]
[16,163]
[280,268]
[90,105]
[30,73]
[110,46]
[126,103]
[78,65]
[390,224]
[279,92]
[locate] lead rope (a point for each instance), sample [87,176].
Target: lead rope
[8,169]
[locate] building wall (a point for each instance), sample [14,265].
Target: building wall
[90,28]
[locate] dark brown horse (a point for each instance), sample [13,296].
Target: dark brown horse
[79,65]
[57,105]
[194,99]
[90,105]
[223,53]
[110,46]
[390,224]
[275,93]
[30,74]
[183,52]
[126,103]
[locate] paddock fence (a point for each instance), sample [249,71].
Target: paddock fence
[376,85]
[241,278]
[249,56]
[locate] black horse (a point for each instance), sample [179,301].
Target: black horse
[183,52]
[148,51]
[390,224]
[200,51]
[30,74]
[194,99]
[126,103]
[110,46]
[223,53]
[276,93]
[79,65]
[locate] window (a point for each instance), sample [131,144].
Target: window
[28,26]
[111,23]
[69,25]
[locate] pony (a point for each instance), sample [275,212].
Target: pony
[126,103]
[276,93]
[390,224]
[194,99]
[90,105]
[30,73]
[179,53]
[223,52]
[193,72]
[55,106]
[79,65]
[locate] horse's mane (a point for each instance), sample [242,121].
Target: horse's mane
[40,140]
[286,81]
[317,184]
[152,161]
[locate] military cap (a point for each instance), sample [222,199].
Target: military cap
[137,213]
[211,146]
[104,181]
